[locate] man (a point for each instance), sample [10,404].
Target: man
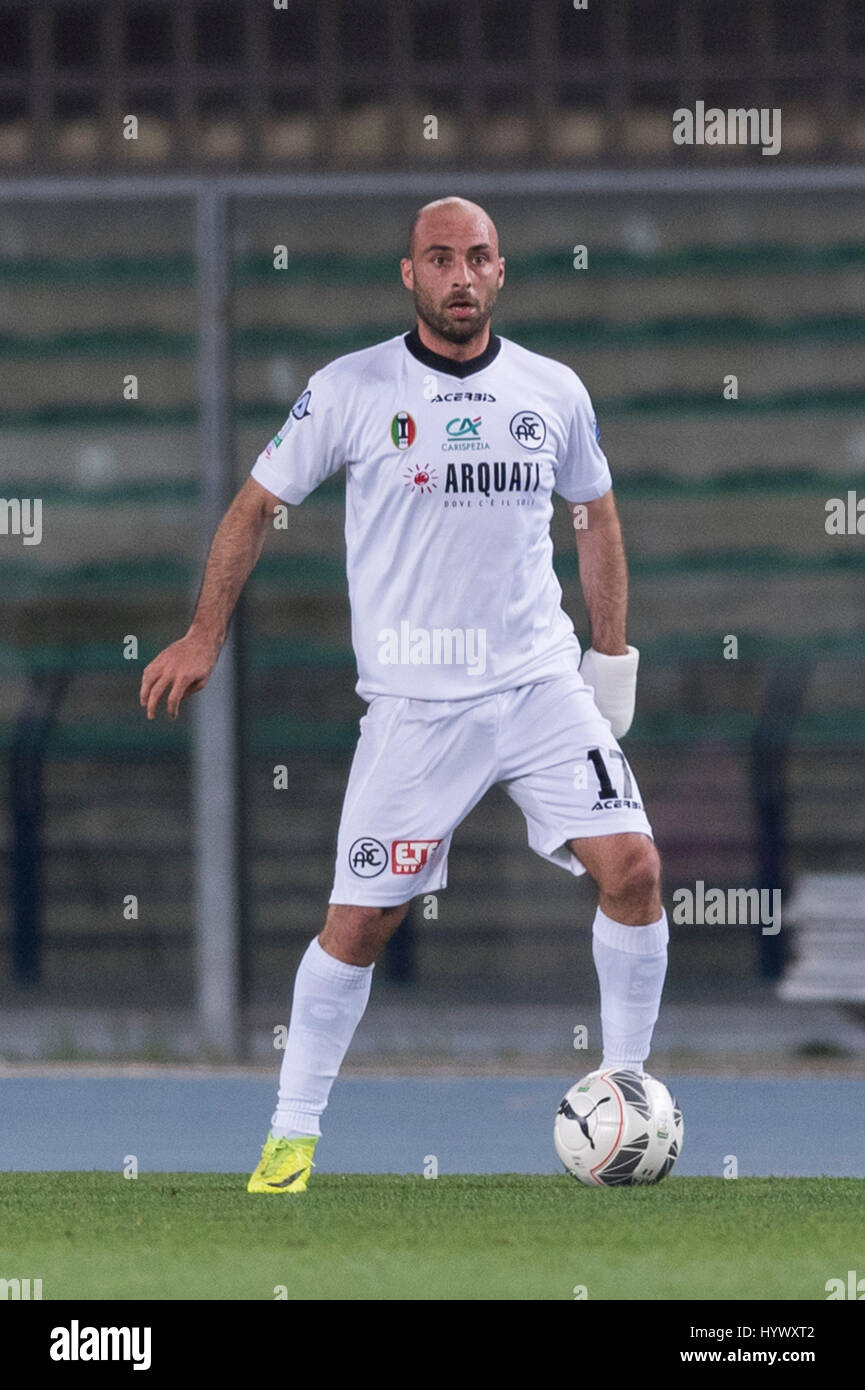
[453,441]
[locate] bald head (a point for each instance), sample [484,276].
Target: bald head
[454,270]
[448,213]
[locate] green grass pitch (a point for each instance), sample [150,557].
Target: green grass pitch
[201,1236]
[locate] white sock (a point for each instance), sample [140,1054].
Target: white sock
[328,1004]
[631,963]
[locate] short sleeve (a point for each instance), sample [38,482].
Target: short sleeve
[308,448]
[582,471]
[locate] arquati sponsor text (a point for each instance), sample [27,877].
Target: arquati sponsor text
[493,477]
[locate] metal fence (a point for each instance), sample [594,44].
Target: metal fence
[335,83]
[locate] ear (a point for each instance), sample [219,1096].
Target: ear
[501,271]
[406,270]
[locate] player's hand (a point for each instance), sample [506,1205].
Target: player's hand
[613,681]
[180,670]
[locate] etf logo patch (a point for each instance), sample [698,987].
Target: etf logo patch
[410,856]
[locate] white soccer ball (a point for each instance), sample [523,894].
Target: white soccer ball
[617,1128]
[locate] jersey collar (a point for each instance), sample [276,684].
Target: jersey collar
[447,365]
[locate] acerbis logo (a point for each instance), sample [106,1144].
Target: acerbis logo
[367,857]
[462,396]
[410,856]
[299,410]
[403,430]
[528,429]
[420,479]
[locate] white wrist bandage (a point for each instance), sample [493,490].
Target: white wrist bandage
[613,680]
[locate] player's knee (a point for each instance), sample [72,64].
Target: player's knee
[364,919]
[357,935]
[353,919]
[638,875]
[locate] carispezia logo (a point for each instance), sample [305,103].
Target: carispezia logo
[463,433]
[77,1343]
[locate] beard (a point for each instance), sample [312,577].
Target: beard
[436,317]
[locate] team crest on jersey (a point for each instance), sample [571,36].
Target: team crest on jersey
[421,479]
[528,429]
[403,430]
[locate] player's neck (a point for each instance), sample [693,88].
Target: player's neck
[459,352]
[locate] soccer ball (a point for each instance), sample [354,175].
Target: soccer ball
[616,1128]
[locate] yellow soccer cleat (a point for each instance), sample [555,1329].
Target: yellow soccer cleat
[284,1165]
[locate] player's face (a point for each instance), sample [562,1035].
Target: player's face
[455,274]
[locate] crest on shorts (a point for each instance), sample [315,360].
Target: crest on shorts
[367,857]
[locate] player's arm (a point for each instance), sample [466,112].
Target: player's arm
[185,666]
[609,667]
[603,573]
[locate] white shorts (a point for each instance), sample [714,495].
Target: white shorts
[421,765]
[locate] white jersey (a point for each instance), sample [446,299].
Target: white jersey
[450,470]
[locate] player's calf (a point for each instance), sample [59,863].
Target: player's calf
[629,943]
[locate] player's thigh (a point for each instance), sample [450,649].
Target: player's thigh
[570,777]
[418,770]
[622,865]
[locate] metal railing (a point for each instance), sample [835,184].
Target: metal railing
[331,82]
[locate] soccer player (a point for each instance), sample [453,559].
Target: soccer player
[453,441]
